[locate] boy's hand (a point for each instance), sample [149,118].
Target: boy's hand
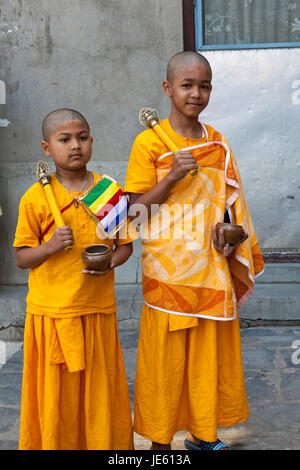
[100,273]
[183,162]
[220,244]
[61,238]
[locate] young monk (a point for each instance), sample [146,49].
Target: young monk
[74,392]
[189,367]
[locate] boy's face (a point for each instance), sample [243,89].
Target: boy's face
[189,89]
[70,145]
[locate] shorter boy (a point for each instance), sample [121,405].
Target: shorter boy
[74,392]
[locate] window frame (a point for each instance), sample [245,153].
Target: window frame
[193,36]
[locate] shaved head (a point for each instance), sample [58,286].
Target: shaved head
[184,59]
[57,117]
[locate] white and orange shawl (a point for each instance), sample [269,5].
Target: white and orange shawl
[183,273]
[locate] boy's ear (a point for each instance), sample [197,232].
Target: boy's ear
[167,88]
[46,148]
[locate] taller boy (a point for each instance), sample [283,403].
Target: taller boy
[189,371]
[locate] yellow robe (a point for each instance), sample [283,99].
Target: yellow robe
[74,390]
[189,370]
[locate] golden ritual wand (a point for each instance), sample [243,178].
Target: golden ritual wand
[44,177]
[148,117]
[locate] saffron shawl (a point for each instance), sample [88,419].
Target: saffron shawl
[183,274]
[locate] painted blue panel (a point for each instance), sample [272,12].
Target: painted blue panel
[274,45]
[199,34]
[198,15]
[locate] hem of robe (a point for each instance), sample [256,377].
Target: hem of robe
[162,436]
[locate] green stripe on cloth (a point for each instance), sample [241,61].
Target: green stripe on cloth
[97,191]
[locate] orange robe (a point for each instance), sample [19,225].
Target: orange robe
[74,390]
[191,291]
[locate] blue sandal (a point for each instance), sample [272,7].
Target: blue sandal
[203,445]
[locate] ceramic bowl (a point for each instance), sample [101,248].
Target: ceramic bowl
[232,232]
[97,257]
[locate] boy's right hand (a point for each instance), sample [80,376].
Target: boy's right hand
[183,162]
[61,238]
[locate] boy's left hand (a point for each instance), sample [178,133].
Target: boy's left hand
[99,273]
[223,247]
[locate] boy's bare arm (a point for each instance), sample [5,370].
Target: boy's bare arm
[183,162]
[121,254]
[31,257]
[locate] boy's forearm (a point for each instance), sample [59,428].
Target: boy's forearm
[121,254]
[156,196]
[183,162]
[29,257]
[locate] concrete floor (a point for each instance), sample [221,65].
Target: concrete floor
[271,357]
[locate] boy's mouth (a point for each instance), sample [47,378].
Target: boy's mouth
[195,104]
[76,155]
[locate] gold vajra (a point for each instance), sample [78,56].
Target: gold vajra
[44,177]
[148,117]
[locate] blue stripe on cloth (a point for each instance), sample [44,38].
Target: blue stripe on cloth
[118,217]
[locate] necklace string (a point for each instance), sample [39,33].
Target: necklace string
[82,186]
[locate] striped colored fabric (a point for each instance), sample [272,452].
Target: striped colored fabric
[106,203]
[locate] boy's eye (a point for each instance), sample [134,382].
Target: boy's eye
[65,139]
[186,85]
[83,137]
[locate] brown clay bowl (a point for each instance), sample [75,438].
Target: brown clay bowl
[97,257]
[232,232]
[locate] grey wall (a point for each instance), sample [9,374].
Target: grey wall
[106,58]
[255,103]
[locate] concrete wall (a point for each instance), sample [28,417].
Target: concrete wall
[107,58]
[255,103]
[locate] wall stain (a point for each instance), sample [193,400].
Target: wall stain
[49,40]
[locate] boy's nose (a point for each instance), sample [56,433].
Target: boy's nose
[196,92]
[75,143]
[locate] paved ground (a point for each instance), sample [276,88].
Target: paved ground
[271,358]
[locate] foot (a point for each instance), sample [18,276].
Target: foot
[204,445]
[192,438]
[157,446]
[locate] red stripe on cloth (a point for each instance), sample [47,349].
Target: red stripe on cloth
[108,206]
[52,222]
